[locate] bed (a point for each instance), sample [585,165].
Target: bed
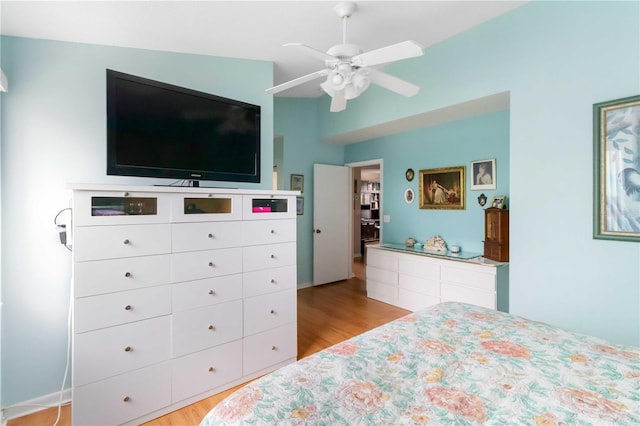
[451,364]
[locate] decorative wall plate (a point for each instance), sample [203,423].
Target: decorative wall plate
[409,174]
[409,195]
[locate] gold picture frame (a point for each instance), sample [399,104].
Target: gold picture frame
[442,188]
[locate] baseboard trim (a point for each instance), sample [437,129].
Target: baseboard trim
[34,405]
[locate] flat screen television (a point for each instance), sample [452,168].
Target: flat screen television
[155,129]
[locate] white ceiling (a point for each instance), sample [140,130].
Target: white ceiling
[246,29]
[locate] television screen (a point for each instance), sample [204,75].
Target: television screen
[156,129]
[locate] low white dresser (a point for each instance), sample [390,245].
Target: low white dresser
[178,294]
[413,279]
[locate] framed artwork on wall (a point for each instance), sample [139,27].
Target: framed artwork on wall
[297,183]
[483,174]
[409,195]
[499,202]
[299,206]
[442,188]
[616,140]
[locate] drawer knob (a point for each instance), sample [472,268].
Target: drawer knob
[211,369]
[126,399]
[128,349]
[272,312]
[127,274]
[126,194]
[273,281]
[128,308]
[273,256]
[211,327]
[126,242]
[273,348]
[210,235]
[273,231]
[211,292]
[211,264]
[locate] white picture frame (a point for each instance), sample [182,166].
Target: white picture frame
[483,174]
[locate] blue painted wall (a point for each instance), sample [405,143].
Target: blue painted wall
[556,59]
[448,145]
[296,120]
[54,133]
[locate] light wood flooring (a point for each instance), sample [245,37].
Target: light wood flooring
[327,314]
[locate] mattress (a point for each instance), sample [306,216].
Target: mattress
[452,363]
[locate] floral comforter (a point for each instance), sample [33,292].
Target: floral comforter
[449,364]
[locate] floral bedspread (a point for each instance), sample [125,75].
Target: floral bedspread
[451,364]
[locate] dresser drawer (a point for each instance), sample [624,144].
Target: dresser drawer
[269,281]
[419,284]
[108,276]
[478,277]
[269,311]
[414,301]
[105,310]
[109,351]
[268,207]
[110,242]
[271,347]
[457,293]
[210,291]
[382,259]
[418,266]
[205,235]
[205,327]
[204,370]
[119,208]
[382,292]
[198,207]
[268,256]
[268,231]
[122,398]
[384,276]
[197,265]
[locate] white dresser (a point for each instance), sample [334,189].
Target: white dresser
[179,293]
[413,280]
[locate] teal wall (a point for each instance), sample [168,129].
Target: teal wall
[296,120]
[447,145]
[556,59]
[54,133]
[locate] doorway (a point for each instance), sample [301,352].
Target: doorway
[367,210]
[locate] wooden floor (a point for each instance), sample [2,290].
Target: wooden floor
[327,314]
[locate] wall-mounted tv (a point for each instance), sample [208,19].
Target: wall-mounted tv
[156,129]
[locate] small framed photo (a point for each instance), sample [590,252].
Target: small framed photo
[483,174]
[409,195]
[299,206]
[499,202]
[297,183]
[442,188]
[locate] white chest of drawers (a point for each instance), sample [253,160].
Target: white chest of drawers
[414,280]
[179,293]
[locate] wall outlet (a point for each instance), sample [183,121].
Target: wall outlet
[386,218]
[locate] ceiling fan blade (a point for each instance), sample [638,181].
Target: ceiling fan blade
[392,83]
[395,52]
[315,53]
[338,101]
[297,81]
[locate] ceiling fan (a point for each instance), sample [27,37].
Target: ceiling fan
[348,69]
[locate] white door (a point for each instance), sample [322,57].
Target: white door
[331,219]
